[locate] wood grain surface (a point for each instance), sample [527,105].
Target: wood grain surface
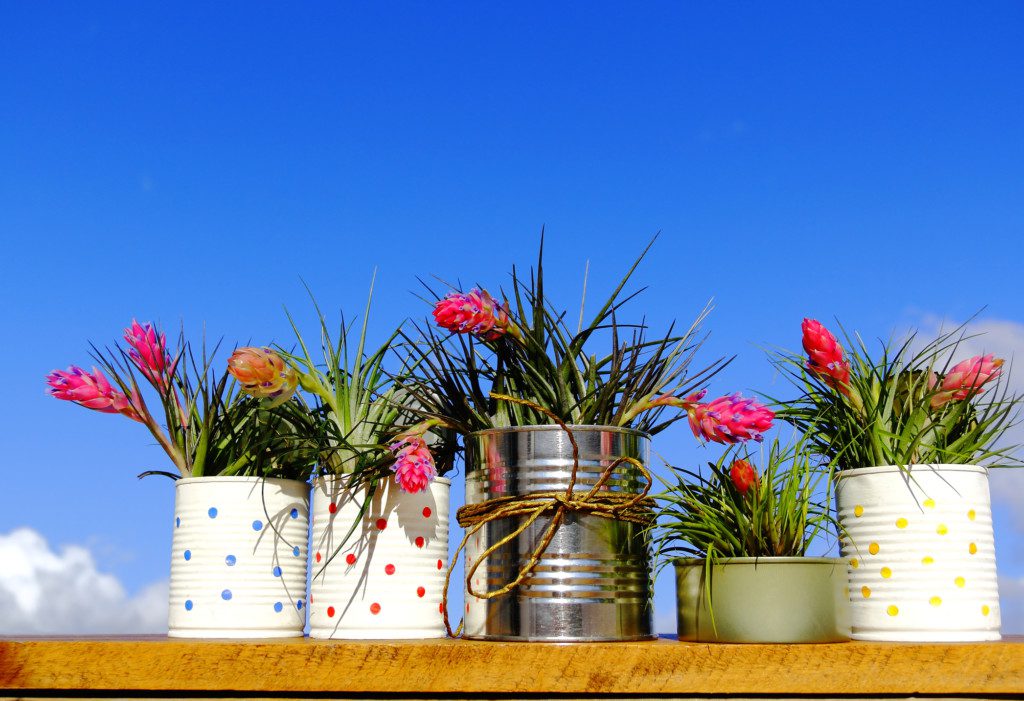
[272,668]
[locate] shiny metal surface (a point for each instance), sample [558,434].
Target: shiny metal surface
[594,581]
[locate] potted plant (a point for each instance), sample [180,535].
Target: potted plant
[238,555]
[908,437]
[739,539]
[380,508]
[556,437]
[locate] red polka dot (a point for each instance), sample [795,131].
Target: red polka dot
[467,608]
[350,559]
[420,592]
[389,569]
[427,512]
[419,541]
[381,524]
[310,598]
[318,557]
[375,608]
[332,507]
[440,608]
[330,612]
[440,565]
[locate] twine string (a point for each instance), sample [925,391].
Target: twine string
[633,508]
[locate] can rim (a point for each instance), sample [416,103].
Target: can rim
[920,467]
[581,428]
[237,479]
[762,560]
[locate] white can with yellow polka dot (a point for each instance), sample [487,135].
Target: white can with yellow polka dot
[920,553]
[238,558]
[378,562]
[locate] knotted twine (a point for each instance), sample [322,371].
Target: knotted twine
[633,508]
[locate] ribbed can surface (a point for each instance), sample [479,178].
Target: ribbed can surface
[385,578]
[920,553]
[238,558]
[594,580]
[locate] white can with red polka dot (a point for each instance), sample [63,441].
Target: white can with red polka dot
[920,552]
[238,558]
[378,564]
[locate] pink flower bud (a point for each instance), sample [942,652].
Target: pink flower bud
[414,465]
[263,373]
[93,391]
[825,356]
[966,378]
[474,312]
[730,419]
[744,476]
[149,353]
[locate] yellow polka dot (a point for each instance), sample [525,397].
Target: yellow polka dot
[935,601]
[960,582]
[865,592]
[972,549]
[892,610]
[941,529]
[846,592]
[929,503]
[854,563]
[971,515]
[885,572]
[873,548]
[901,523]
[858,511]
[927,560]
[985,610]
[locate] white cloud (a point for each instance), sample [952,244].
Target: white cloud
[1011,605]
[45,592]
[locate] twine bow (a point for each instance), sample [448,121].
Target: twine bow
[634,508]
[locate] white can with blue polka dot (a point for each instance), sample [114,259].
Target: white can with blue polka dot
[920,553]
[238,558]
[384,578]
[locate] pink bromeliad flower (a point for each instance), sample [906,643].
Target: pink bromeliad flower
[474,312]
[730,419]
[149,353]
[744,476]
[414,465]
[93,391]
[966,378]
[263,373]
[825,356]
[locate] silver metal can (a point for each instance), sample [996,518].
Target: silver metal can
[594,580]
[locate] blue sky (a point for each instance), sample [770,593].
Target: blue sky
[194,163]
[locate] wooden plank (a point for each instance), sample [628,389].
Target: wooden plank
[303,666]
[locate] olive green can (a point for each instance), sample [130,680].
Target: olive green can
[763,600]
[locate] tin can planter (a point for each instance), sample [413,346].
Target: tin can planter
[921,553]
[762,600]
[593,583]
[238,558]
[382,579]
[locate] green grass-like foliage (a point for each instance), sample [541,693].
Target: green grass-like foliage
[887,418]
[705,515]
[601,373]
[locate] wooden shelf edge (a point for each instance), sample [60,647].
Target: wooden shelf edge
[449,666]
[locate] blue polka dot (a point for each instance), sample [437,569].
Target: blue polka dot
[295,513]
[177,522]
[212,512]
[257,525]
[277,571]
[298,604]
[278,607]
[226,595]
[229,560]
[188,555]
[295,551]
[188,604]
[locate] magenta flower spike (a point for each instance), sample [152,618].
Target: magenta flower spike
[966,378]
[825,356]
[414,465]
[474,312]
[730,419]
[93,391]
[149,353]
